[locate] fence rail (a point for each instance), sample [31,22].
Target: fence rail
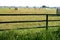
[47,15]
[28,14]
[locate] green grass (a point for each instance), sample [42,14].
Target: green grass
[30,34]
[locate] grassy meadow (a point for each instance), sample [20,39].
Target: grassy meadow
[29,34]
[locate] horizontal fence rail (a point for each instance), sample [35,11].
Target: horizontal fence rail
[28,21]
[28,14]
[47,15]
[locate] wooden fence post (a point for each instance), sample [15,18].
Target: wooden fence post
[46,21]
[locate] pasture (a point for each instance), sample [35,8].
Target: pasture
[25,11]
[27,24]
[29,34]
[28,11]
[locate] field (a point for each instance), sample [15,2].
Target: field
[29,24]
[29,34]
[25,11]
[28,10]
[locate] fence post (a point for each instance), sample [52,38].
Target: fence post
[46,21]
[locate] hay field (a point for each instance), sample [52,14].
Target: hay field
[28,10]
[28,34]
[29,24]
[24,11]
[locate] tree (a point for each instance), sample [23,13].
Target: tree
[43,6]
[27,7]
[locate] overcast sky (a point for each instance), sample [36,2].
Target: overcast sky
[50,3]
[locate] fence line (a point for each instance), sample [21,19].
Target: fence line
[47,15]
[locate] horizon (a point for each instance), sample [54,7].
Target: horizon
[30,3]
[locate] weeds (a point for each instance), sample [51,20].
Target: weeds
[42,35]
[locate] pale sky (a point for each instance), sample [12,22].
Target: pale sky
[50,3]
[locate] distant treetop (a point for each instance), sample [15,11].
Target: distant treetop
[44,6]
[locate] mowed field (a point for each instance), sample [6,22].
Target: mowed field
[29,11]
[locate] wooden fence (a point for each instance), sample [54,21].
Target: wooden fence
[47,15]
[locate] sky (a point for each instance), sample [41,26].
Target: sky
[31,3]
